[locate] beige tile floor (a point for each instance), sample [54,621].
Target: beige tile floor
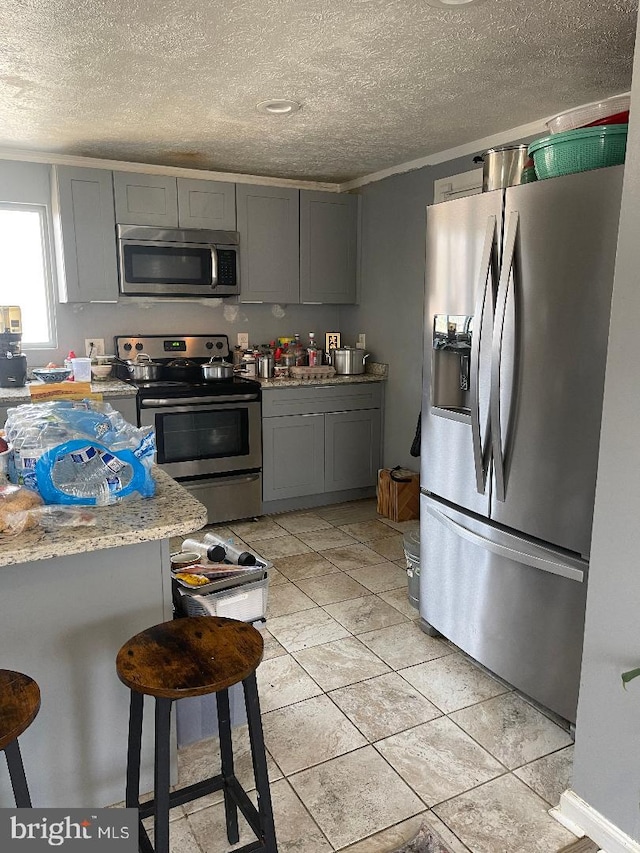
[371,726]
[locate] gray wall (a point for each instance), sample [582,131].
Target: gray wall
[391,296]
[77,322]
[607,756]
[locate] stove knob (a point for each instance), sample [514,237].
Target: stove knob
[139,347]
[209,345]
[127,347]
[219,345]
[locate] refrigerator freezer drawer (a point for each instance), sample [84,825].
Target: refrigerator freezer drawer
[514,606]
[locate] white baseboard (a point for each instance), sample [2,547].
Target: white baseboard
[579,817]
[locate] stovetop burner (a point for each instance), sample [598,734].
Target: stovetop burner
[165,348]
[216,387]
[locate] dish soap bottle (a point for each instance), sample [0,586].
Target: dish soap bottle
[68,363]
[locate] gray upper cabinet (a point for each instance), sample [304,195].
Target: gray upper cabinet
[206,204]
[84,226]
[146,199]
[268,222]
[328,241]
[168,202]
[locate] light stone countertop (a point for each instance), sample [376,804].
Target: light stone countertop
[110,388]
[172,511]
[375,372]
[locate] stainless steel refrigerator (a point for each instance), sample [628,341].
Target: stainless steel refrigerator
[518,292]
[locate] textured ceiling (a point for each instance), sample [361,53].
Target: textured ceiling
[382,82]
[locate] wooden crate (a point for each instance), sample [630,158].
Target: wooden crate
[398,494]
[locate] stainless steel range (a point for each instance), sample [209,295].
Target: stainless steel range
[208,434]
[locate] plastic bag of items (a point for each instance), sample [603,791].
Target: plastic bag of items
[81,453]
[22,509]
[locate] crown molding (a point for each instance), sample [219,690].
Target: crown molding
[502,138]
[151,169]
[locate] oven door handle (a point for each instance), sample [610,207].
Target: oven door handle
[196,401]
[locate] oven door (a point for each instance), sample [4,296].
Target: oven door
[215,435]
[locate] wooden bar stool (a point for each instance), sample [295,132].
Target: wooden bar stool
[19,704]
[194,656]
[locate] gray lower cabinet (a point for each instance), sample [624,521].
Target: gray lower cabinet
[328,245]
[268,225]
[352,449]
[85,234]
[293,456]
[126,406]
[320,439]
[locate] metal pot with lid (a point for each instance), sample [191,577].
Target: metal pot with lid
[143,368]
[348,360]
[216,369]
[183,370]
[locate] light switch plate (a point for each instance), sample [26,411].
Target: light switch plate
[243,339]
[94,346]
[361,342]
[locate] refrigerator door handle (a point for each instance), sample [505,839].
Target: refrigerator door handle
[481,455]
[496,353]
[504,551]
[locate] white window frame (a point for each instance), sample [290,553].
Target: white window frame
[47,265]
[457,186]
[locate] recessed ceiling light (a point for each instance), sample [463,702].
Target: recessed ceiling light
[453,4]
[278,107]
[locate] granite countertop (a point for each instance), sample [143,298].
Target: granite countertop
[109,388]
[171,512]
[374,372]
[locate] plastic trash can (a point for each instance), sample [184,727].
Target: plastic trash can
[411,544]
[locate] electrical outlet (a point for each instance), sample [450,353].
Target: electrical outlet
[243,339]
[94,346]
[361,342]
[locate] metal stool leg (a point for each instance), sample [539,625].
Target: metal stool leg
[259,756]
[17,775]
[226,754]
[162,776]
[132,791]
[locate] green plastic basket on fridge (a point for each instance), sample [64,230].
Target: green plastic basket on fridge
[579,150]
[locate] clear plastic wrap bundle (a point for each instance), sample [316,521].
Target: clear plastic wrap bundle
[82,453]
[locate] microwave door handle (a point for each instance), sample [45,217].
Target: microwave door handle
[214,267]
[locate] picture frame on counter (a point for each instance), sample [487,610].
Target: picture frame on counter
[331,341]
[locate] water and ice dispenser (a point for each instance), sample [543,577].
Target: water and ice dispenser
[451,361]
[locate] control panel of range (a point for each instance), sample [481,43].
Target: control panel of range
[166,347]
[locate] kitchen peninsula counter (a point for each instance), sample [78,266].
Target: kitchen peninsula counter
[68,601]
[125,523]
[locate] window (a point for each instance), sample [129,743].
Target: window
[25,271]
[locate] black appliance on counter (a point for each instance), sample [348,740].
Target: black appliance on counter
[208,433]
[13,364]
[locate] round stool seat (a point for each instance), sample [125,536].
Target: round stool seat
[192,656]
[19,704]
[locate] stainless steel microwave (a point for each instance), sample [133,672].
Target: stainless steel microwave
[177,262]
